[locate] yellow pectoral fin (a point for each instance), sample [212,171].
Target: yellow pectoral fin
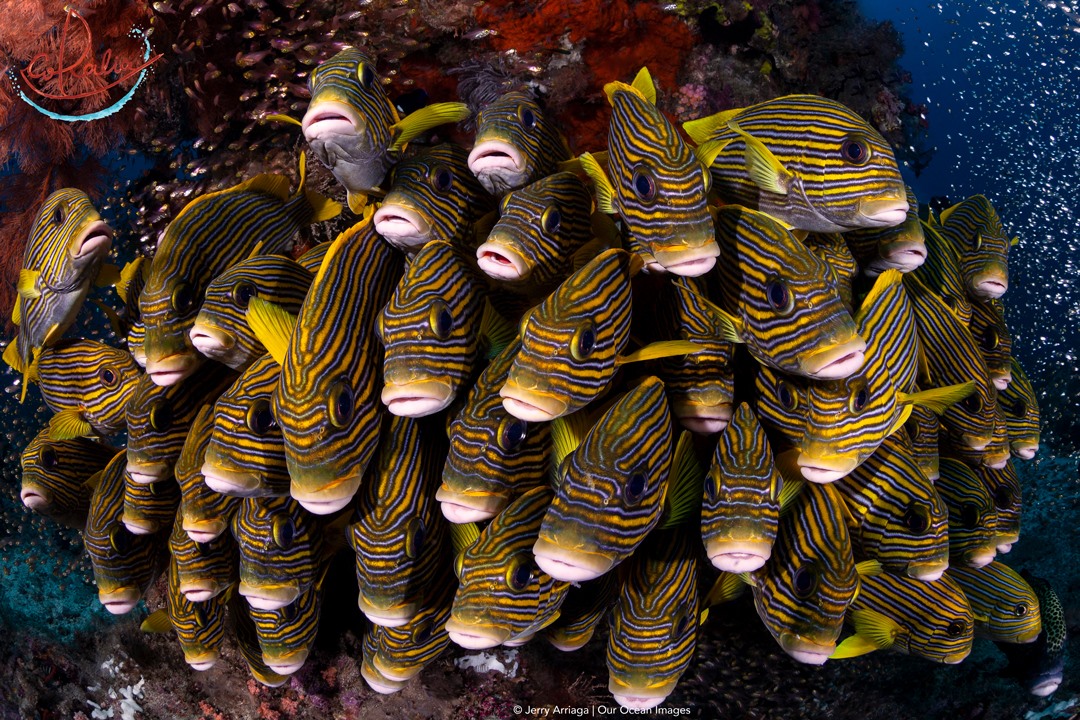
[767,172]
[157,622]
[702,129]
[567,432]
[357,201]
[643,83]
[657,350]
[726,588]
[16,311]
[108,275]
[854,646]
[68,425]
[940,399]
[422,120]
[879,630]
[127,276]
[272,325]
[27,286]
[605,193]
[683,497]
[463,535]
[277,117]
[11,355]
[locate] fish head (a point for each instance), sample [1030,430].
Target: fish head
[68,241]
[169,309]
[972,515]
[901,247]
[403,222]
[782,404]
[516,144]
[91,377]
[280,546]
[286,634]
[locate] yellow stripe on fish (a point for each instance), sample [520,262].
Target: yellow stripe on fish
[287,634]
[204,570]
[1003,485]
[206,513]
[88,385]
[1021,407]
[941,273]
[975,230]
[1005,606]
[972,515]
[55,474]
[900,247]
[992,335]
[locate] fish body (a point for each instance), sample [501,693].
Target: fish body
[199,626]
[1021,406]
[1006,607]
[809,161]
[922,431]
[55,474]
[430,330]
[1040,665]
[149,507]
[941,273]
[88,385]
[516,144]
[975,230]
[1004,487]
[610,490]
[286,634]
[831,248]
[900,247]
[205,513]
[580,614]
[221,331]
[992,335]
[204,570]
[886,320]
[972,515]
[247,640]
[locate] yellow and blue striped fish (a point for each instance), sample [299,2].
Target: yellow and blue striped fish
[221,330]
[581,612]
[125,565]
[654,623]
[55,475]
[1021,407]
[992,335]
[493,456]
[326,401]
[539,229]
[832,248]
[922,430]
[430,330]
[996,452]
[398,533]
[503,597]
[932,620]
[886,320]
[610,489]
[134,341]
[212,233]
[63,257]
[781,300]
[941,273]
[658,185]
[206,513]
[809,161]
[972,515]
[740,509]
[88,385]
[287,634]
[900,247]
[781,405]
[312,259]
[149,507]
[1006,607]
[371,674]
[803,591]
[1004,487]
[975,230]
[246,453]
[204,570]
[247,640]
[516,144]
[433,196]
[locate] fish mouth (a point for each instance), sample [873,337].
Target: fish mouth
[1025,452]
[140,526]
[170,370]
[197,591]
[828,469]
[737,557]
[145,473]
[1005,543]
[395,616]
[269,679]
[639,697]
[1001,380]
[417,399]
[327,498]
[460,508]
[884,212]
[1027,636]
[530,406]
[703,419]
[286,664]
[202,661]
[569,565]
[328,119]
[570,644]
[269,597]
[996,461]
[120,602]
[498,165]
[211,341]
[94,241]
[904,258]
[689,262]
[401,226]
[393,674]
[835,362]
[502,262]
[205,530]
[806,651]
[228,481]
[979,557]
[927,572]
[975,442]
[475,637]
[36,499]
[1045,687]
[988,288]
[378,683]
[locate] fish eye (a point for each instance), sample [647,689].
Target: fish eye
[341,404]
[991,340]
[644,187]
[858,400]
[108,377]
[913,429]
[584,341]
[955,628]
[161,416]
[120,538]
[711,487]
[242,293]
[635,488]
[512,432]
[787,395]
[288,613]
[519,573]
[1018,408]
[969,516]
[183,298]
[526,117]
[48,458]
[260,419]
[283,530]
[440,320]
[949,300]
[441,178]
[780,298]
[414,538]
[365,74]
[1002,497]
[551,220]
[421,632]
[916,519]
[972,403]
[855,150]
[804,582]
[1020,610]
[680,624]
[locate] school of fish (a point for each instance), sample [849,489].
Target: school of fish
[533,392]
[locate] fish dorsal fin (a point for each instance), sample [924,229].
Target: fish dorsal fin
[463,535]
[605,192]
[880,630]
[323,207]
[644,84]
[567,434]
[884,281]
[1015,241]
[357,201]
[707,151]
[269,183]
[684,490]
[902,416]
[617,86]
[496,331]
[157,622]
[272,325]
[110,314]
[69,424]
[108,275]
[661,349]
[27,286]
[342,240]
[726,588]
[427,117]
[257,250]
[128,275]
[939,399]
[767,172]
[854,646]
[944,217]
[93,481]
[278,117]
[702,129]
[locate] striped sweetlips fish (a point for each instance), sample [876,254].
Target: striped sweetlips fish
[354,129]
[88,385]
[975,231]
[922,430]
[204,570]
[221,331]
[941,273]
[992,335]
[972,514]
[493,456]
[740,508]
[995,454]
[503,597]
[55,475]
[658,184]
[900,247]
[932,620]
[654,623]
[781,300]
[610,486]
[125,565]
[149,507]
[808,161]
[286,634]
[831,248]
[1021,407]
[205,513]
[430,330]
[1006,608]
[326,401]
[212,233]
[1004,486]
[433,196]
[540,227]
[516,144]
[586,604]
[64,256]
[247,641]
[886,320]
[398,533]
